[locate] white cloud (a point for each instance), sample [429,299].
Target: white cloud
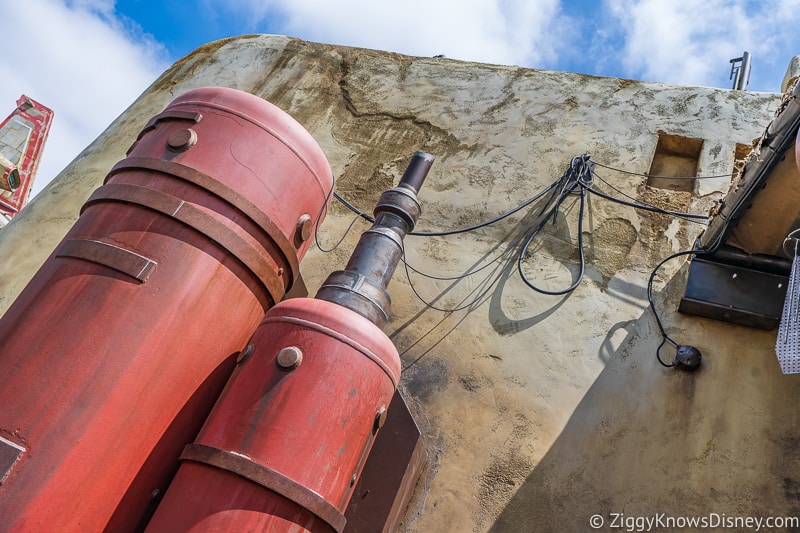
[692,41]
[79,60]
[493,31]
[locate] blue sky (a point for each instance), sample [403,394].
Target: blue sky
[90,59]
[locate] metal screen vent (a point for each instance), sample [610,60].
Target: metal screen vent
[787,346]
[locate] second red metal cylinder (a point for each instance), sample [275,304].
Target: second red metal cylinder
[284,446]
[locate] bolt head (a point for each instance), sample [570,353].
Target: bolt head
[289,357]
[305,225]
[181,140]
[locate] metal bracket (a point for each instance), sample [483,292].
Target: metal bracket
[735,294]
[107,254]
[266,477]
[245,249]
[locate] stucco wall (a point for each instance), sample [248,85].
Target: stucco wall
[538,411]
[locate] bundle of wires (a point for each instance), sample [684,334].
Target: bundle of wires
[577,180]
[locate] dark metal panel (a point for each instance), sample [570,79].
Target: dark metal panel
[734,294]
[390,474]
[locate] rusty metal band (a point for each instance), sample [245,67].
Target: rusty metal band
[266,477]
[170,114]
[341,337]
[107,254]
[240,247]
[222,191]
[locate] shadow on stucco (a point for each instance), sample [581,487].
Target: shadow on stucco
[649,441]
[494,267]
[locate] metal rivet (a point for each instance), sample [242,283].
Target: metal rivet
[181,140]
[289,357]
[304,227]
[244,354]
[380,418]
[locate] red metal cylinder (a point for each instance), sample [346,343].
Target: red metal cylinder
[284,446]
[113,355]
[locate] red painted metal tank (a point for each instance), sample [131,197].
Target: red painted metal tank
[296,420]
[284,446]
[115,352]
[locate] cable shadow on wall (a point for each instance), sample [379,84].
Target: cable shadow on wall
[495,270]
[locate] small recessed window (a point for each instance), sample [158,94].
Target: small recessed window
[675,162]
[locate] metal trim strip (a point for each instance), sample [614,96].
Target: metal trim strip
[237,245]
[222,191]
[245,467]
[106,254]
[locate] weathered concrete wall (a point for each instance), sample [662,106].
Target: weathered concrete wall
[538,411]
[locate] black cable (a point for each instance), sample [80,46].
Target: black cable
[449,278]
[341,239]
[664,336]
[498,218]
[581,260]
[466,229]
[579,174]
[650,208]
[484,286]
[647,207]
[353,208]
[319,215]
[521,206]
[663,177]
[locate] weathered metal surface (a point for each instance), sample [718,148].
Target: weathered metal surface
[106,377]
[385,486]
[22,137]
[268,478]
[121,259]
[313,424]
[734,294]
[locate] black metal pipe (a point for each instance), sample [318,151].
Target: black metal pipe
[361,286]
[416,171]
